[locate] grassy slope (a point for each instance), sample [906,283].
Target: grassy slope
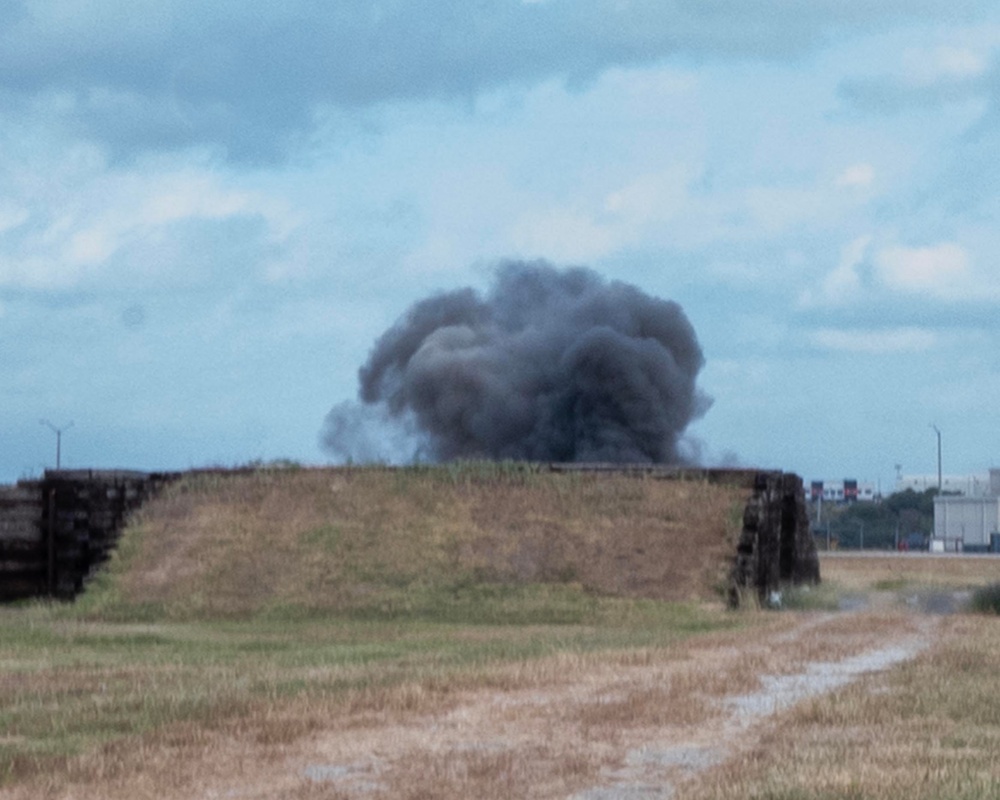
[442,543]
[233,596]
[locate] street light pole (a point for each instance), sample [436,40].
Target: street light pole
[59,433]
[938,432]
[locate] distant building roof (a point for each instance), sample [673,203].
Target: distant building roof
[974,485]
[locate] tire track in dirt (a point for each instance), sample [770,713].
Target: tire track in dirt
[519,737]
[653,770]
[602,726]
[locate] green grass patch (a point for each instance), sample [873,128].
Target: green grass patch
[986,599]
[890,585]
[819,597]
[73,683]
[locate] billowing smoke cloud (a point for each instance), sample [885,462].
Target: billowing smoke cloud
[551,365]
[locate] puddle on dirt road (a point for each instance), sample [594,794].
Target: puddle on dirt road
[939,602]
[655,764]
[631,792]
[924,601]
[357,777]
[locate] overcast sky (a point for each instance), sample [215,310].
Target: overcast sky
[209,211]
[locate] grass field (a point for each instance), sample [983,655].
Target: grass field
[873,571]
[483,631]
[238,601]
[78,695]
[929,730]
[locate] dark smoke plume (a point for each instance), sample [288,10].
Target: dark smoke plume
[551,365]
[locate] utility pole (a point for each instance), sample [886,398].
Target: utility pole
[938,432]
[58,433]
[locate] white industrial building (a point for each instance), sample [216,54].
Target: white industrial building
[968,522]
[975,485]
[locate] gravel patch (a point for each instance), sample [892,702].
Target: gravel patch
[653,772]
[784,691]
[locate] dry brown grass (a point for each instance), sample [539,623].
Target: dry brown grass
[542,728]
[383,541]
[344,702]
[929,730]
[868,571]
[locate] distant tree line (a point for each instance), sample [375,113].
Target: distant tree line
[901,519]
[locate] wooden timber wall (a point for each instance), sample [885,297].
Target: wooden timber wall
[776,546]
[56,532]
[23,560]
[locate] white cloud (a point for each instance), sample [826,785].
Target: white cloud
[875,341]
[124,64]
[91,246]
[941,270]
[945,271]
[12,216]
[924,66]
[73,232]
[596,226]
[857,176]
[775,209]
[653,197]
[564,235]
[843,283]
[186,196]
[960,61]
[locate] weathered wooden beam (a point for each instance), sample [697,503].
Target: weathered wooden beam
[776,546]
[54,532]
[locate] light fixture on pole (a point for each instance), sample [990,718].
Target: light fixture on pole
[938,432]
[58,433]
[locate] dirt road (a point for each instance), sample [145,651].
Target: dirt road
[603,726]
[608,731]
[607,726]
